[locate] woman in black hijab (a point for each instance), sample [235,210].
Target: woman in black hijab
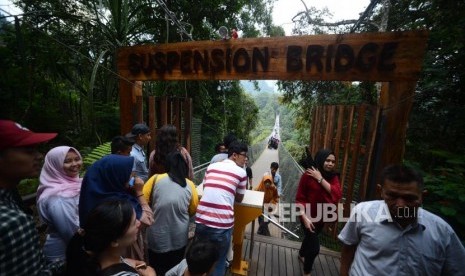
[318,185]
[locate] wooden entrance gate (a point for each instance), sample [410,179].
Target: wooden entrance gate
[392,58]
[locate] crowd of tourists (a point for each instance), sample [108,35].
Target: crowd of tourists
[132,214]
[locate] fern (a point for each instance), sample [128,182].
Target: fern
[96,154]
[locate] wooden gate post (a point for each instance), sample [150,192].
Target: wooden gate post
[396,101]
[130,107]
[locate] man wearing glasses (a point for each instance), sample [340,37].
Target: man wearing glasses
[225,183]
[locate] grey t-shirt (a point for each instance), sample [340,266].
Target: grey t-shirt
[170,205]
[178,270]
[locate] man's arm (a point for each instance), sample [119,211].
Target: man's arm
[239,197]
[279,185]
[241,188]
[455,254]
[347,257]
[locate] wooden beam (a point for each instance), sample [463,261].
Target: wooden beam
[368,152]
[337,142]
[187,106]
[127,105]
[164,111]
[139,110]
[176,119]
[152,121]
[396,101]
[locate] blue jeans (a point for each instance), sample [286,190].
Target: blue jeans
[222,240]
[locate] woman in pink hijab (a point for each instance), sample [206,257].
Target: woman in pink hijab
[58,199]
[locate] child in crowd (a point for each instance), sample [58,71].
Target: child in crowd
[201,255]
[271,197]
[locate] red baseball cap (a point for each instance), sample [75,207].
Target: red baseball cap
[13,135]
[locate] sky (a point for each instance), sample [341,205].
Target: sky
[285,10]
[9,7]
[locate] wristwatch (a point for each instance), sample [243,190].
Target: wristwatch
[320,180]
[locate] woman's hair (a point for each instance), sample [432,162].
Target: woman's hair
[320,158]
[229,139]
[177,168]
[307,159]
[107,222]
[166,142]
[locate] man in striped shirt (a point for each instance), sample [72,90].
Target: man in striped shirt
[224,183]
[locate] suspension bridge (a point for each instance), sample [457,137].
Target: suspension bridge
[277,254]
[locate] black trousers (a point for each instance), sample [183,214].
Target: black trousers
[162,262]
[263,227]
[310,247]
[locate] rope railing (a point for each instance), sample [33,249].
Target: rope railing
[294,163]
[201,167]
[280,226]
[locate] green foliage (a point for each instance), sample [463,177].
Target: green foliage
[445,186]
[59,69]
[96,154]
[268,105]
[293,148]
[438,117]
[28,186]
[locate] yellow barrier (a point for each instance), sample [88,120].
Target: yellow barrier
[244,213]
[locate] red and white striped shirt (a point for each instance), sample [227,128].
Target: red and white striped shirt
[222,181]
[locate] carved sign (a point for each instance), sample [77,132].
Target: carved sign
[348,57]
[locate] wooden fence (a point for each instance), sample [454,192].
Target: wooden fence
[350,131]
[166,110]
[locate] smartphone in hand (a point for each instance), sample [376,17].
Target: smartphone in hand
[131,181]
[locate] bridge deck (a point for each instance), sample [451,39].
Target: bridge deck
[279,257]
[276,256]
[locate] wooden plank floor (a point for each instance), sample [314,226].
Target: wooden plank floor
[279,257]
[274,230]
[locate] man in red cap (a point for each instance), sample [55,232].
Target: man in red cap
[20,252]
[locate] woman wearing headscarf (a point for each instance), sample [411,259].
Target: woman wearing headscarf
[166,142]
[109,178]
[174,200]
[318,185]
[58,198]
